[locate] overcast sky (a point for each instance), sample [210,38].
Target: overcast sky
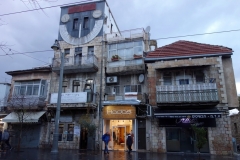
[36,31]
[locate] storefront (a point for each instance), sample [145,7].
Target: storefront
[180,136]
[119,121]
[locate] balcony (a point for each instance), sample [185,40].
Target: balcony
[126,35]
[76,64]
[126,66]
[188,93]
[28,102]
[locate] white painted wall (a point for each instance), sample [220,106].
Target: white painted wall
[4,92]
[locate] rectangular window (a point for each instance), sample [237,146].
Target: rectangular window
[183,81]
[125,50]
[167,79]
[30,88]
[212,80]
[78,56]
[75,23]
[91,50]
[90,55]
[133,88]
[76,86]
[199,79]
[85,22]
[66,51]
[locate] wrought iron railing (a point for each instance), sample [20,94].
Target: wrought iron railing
[26,101]
[76,61]
[205,92]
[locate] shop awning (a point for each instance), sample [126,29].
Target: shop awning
[29,117]
[208,113]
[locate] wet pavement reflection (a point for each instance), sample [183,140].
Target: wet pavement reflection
[40,154]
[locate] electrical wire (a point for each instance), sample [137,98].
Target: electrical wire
[42,8]
[199,34]
[16,52]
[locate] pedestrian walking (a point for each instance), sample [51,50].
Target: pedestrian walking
[106,138]
[5,139]
[129,142]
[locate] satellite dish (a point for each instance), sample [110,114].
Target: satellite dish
[141,78]
[148,29]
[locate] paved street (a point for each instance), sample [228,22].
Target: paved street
[39,154]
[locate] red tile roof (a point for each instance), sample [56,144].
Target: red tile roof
[187,48]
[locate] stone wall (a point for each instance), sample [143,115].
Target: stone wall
[157,137]
[220,137]
[235,127]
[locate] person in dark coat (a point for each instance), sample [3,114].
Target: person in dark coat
[5,139]
[129,142]
[106,138]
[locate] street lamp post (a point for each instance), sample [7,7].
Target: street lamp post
[56,47]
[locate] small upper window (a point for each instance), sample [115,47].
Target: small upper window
[75,23]
[67,52]
[167,79]
[85,22]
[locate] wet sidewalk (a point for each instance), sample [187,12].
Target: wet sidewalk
[40,154]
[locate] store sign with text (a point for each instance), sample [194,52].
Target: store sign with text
[187,122]
[119,112]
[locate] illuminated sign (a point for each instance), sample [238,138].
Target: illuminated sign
[169,115]
[119,112]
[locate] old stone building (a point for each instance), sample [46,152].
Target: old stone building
[191,84]
[235,126]
[81,40]
[26,106]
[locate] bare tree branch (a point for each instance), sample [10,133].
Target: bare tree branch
[22,106]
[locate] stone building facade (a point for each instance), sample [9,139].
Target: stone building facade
[194,86]
[28,93]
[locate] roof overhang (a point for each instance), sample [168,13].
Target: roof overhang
[122,102]
[184,57]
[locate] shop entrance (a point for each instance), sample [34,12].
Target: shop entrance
[119,130]
[119,135]
[83,138]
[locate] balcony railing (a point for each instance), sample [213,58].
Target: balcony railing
[89,63]
[127,96]
[128,34]
[206,92]
[28,102]
[127,62]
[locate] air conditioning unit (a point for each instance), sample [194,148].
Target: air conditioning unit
[112,79]
[149,110]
